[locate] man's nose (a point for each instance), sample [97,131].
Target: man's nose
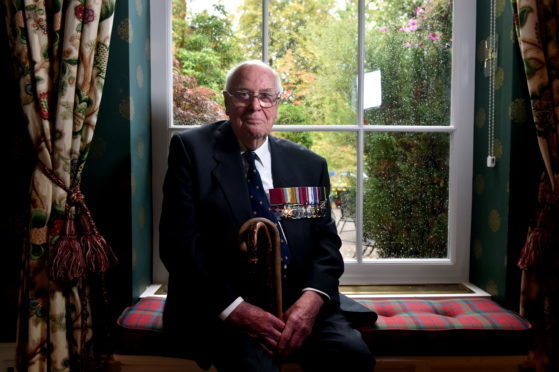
[254,103]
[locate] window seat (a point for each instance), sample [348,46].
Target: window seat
[461,326]
[416,327]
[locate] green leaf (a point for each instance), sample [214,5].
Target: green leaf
[72,61]
[18,4]
[530,67]
[77,133]
[62,88]
[37,251]
[523,15]
[57,5]
[107,10]
[38,218]
[22,35]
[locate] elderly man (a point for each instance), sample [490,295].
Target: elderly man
[206,200]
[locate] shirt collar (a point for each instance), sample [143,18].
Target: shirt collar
[262,153]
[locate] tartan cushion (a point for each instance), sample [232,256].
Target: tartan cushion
[146,315]
[473,326]
[420,314]
[466,326]
[140,328]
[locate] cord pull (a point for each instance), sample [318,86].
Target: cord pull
[491,161]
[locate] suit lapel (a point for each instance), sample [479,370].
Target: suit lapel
[280,163]
[229,172]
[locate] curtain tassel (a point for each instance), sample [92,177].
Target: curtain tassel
[98,252]
[69,261]
[534,249]
[544,236]
[76,257]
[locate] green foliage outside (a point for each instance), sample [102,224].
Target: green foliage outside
[207,47]
[313,46]
[405,207]
[292,114]
[405,202]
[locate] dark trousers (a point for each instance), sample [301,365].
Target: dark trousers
[333,346]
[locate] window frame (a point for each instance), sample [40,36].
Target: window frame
[455,267]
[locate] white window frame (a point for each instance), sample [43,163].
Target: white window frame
[452,269]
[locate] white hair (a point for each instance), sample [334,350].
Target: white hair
[254,62]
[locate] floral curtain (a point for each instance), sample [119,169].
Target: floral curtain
[536,23]
[61,51]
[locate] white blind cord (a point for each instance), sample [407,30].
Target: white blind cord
[492,50]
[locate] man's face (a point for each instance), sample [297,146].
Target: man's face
[250,121]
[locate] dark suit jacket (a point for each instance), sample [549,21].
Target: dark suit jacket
[205,202]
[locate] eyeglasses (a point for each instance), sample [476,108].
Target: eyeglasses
[244,97]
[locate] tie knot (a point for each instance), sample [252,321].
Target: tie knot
[250,157]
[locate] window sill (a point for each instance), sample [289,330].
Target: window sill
[431,291]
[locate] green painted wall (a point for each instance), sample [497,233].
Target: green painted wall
[502,195]
[140,143]
[117,177]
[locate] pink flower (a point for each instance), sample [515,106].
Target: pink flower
[87,15]
[419,10]
[382,29]
[433,36]
[407,44]
[40,24]
[412,26]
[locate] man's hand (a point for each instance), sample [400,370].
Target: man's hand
[259,324]
[299,321]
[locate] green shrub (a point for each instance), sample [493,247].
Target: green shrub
[406,191]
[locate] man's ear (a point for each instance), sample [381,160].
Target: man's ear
[226,99]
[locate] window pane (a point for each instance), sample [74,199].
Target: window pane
[206,44]
[339,149]
[408,62]
[313,45]
[405,212]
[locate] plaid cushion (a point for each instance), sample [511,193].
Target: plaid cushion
[476,326]
[146,315]
[404,327]
[421,314]
[395,314]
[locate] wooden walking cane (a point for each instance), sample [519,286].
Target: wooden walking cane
[259,242]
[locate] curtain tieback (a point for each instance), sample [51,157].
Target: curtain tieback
[544,237]
[78,253]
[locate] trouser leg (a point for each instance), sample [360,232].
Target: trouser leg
[334,346]
[236,351]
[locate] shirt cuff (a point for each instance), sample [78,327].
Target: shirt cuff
[229,309]
[317,291]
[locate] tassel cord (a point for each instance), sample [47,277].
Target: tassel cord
[543,237]
[75,257]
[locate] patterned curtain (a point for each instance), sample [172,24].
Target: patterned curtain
[536,23]
[61,50]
